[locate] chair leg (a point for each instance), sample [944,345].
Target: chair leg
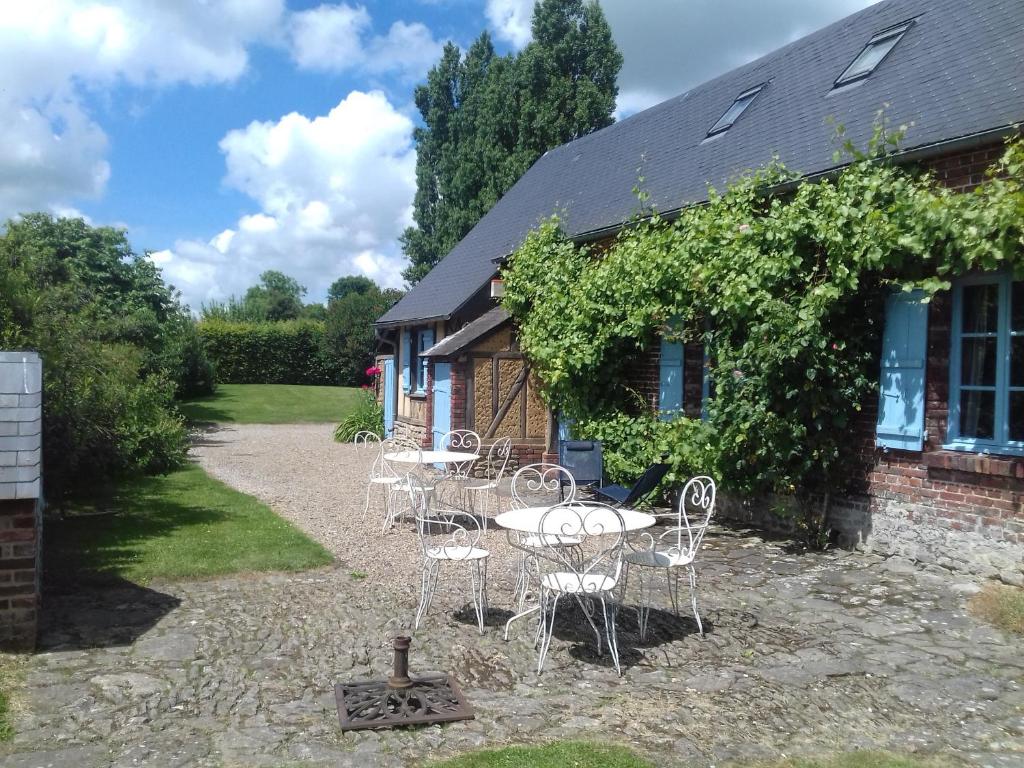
[587,606]
[366,506]
[672,584]
[547,617]
[643,606]
[479,584]
[428,582]
[609,628]
[693,600]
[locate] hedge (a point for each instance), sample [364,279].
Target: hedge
[289,352]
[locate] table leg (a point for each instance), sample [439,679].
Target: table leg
[520,615]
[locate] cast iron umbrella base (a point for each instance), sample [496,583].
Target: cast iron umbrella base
[401,700]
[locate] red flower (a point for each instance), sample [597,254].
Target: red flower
[366,386]
[373,370]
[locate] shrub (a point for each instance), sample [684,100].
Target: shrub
[290,352]
[631,443]
[368,415]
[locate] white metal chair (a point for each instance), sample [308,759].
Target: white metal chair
[400,489]
[382,476]
[497,461]
[460,439]
[589,572]
[445,541]
[538,485]
[673,550]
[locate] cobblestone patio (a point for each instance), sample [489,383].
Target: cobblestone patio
[806,653]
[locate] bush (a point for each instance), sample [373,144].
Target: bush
[631,443]
[290,352]
[102,419]
[184,361]
[368,416]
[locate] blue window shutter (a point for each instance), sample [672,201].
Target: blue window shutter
[406,357]
[670,393]
[904,349]
[426,342]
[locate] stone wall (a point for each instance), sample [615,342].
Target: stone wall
[20,494]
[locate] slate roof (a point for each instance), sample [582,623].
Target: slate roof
[958,72]
[469,333]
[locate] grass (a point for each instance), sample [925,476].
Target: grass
[183,525]
[578,754]
[9,667]
[562,754]
[1000,605]
[864,759]
[272,404]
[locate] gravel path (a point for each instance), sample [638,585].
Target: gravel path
[320,486]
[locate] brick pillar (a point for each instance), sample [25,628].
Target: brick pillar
[19,573]
[20,494]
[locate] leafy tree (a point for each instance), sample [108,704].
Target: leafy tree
[349,284]
[349,335]
[487,118]
[276,297]
[116,346]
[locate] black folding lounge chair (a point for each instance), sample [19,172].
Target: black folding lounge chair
[621,496]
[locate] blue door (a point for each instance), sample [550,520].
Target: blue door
[389,397]
[442,401]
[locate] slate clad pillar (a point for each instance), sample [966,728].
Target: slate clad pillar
[20,497]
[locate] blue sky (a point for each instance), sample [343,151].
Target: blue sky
[234,136]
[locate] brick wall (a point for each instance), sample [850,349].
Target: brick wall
[20,524]
[952,509]
[458,383]
[20,492]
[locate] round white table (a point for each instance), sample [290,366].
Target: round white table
[595,520]
[431,457]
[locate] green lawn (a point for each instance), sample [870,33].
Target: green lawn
[180,526]
[563,754]
[272,404]
[577,754]
[865,759]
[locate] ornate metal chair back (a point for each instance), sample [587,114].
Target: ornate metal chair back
[537,484]
[497,458]
[696,508]
[593,564]
[366,439]
[438,531]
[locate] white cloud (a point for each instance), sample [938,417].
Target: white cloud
[510,20]
[334,193]
[51,151]
[669,46]
[337,38]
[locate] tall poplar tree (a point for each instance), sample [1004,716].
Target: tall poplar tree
[487,118]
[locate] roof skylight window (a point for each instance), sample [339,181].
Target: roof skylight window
[732,114]
[873,53]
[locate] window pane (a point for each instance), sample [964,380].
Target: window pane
[1017,415]
[981,308]
[1017,361]
[870,57]
[1017,307]
[978,364]
[977,414]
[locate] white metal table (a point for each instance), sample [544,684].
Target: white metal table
[597,520]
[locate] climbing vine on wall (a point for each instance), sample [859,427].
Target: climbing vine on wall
[784,285]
